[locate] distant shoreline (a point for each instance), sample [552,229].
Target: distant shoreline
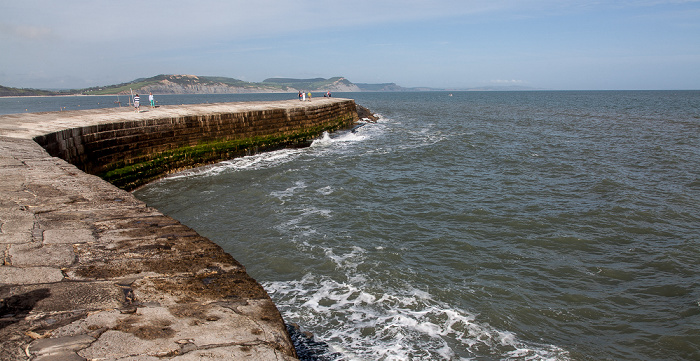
[365,91]
[51,96]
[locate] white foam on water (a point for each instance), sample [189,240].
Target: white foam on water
[267,159]
[295,227]
[283,195]
[343,140]
[381,324]
[348,260]
[325,190]
[310,211]
[364,132]
[365,321]
[251,162]
[326,140]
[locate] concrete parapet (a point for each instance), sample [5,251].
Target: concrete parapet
[89,272]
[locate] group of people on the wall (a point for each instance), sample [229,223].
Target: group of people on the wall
[304,96]
[137,101]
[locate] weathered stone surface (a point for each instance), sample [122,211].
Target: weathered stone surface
[63,346]
[70,296]
[20,237]
[74,235]
[17,223]
[38,254]
[90,272]
[60,356]
[29,275]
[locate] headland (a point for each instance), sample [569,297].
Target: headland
[90,272]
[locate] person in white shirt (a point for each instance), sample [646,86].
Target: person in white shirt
[137,106]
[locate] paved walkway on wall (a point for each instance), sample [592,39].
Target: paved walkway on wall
[90,272]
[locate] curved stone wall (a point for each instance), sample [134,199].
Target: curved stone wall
[90,272]
[130,153]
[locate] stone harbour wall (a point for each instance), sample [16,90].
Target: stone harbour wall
[134,152]
[89,272]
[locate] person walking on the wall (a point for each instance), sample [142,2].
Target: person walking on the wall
[150,98]
[137,106]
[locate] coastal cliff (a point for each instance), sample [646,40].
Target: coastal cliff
[194,84]
[90,272]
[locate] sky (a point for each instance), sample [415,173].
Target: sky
[452,44]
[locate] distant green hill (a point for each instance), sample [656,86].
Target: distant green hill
[179,84]
[13,92]
[193,84]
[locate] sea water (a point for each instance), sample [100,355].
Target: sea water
[474,226]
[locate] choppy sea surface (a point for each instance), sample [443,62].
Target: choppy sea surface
[473,226]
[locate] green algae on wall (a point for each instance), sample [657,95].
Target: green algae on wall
[154,166]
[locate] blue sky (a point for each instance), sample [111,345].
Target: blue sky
[547,44]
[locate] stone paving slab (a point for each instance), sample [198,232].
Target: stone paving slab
[89,272]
